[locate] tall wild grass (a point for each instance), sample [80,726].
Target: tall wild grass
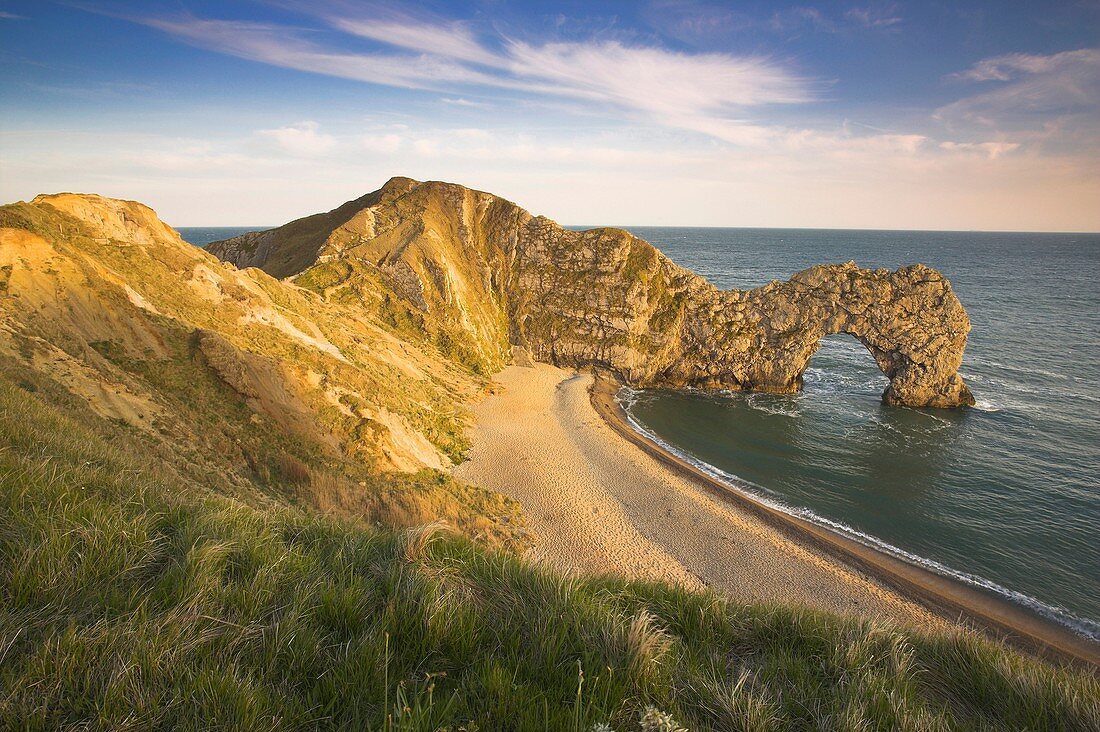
[131,599]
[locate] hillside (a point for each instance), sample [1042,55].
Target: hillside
[280,393]
[478,274]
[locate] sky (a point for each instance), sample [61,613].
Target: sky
[861,114]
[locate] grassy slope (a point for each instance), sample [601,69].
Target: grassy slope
[134,597]
[75,305]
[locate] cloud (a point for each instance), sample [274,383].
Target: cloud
[799,18]
[654,79]
[992,150]
[302,139]
[496,147]
[874,17]
[452,40]
[794,20]
[386,144]
[692,91]
[4,15]
[1014,65]
[289,48]
[462,102]
[1072,74]
[692,21]
[1031,92]
[710,94]
[813,178]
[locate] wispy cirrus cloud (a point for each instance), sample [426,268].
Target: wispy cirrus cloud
[804,17]
[798,18]
[703,92]
[452,40]
[290,48]
[1015,65]
[656,79]
[717,95]
[1031,93]
[708,20]
[881,17]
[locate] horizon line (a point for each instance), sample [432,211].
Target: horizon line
[628,227]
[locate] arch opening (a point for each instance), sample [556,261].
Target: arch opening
[843,364]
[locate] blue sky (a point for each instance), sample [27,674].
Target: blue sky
[929,115]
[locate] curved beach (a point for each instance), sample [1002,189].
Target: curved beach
[604,498]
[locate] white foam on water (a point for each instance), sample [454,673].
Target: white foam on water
[942,422]
[772,405]
[1084,627]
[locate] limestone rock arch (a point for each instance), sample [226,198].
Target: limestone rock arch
[909,320]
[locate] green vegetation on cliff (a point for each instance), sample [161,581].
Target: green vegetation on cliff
[283,395]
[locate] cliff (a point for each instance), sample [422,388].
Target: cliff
[254,386]
[477,275]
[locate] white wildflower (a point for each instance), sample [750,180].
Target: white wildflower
[654,720]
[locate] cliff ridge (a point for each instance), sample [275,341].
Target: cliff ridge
[479,275]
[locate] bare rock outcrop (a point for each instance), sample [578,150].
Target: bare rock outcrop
[485,275]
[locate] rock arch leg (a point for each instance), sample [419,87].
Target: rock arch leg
[920,384]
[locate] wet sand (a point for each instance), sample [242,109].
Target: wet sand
[604,499]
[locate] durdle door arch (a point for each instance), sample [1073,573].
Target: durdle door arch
[910,321]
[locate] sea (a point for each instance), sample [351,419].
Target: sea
[1004,496]
[200,236]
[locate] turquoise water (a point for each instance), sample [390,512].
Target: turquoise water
[200,236]
[1006,494]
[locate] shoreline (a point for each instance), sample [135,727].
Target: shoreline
[600,506]
[945,597]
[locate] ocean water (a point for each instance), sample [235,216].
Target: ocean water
[1005,495]
[200,236]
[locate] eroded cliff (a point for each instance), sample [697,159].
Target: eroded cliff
[477,275]
[250,385]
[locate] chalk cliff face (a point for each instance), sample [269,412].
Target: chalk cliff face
[478,275]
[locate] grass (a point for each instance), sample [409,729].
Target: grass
[133,598]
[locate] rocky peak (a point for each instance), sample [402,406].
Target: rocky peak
[397,186]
